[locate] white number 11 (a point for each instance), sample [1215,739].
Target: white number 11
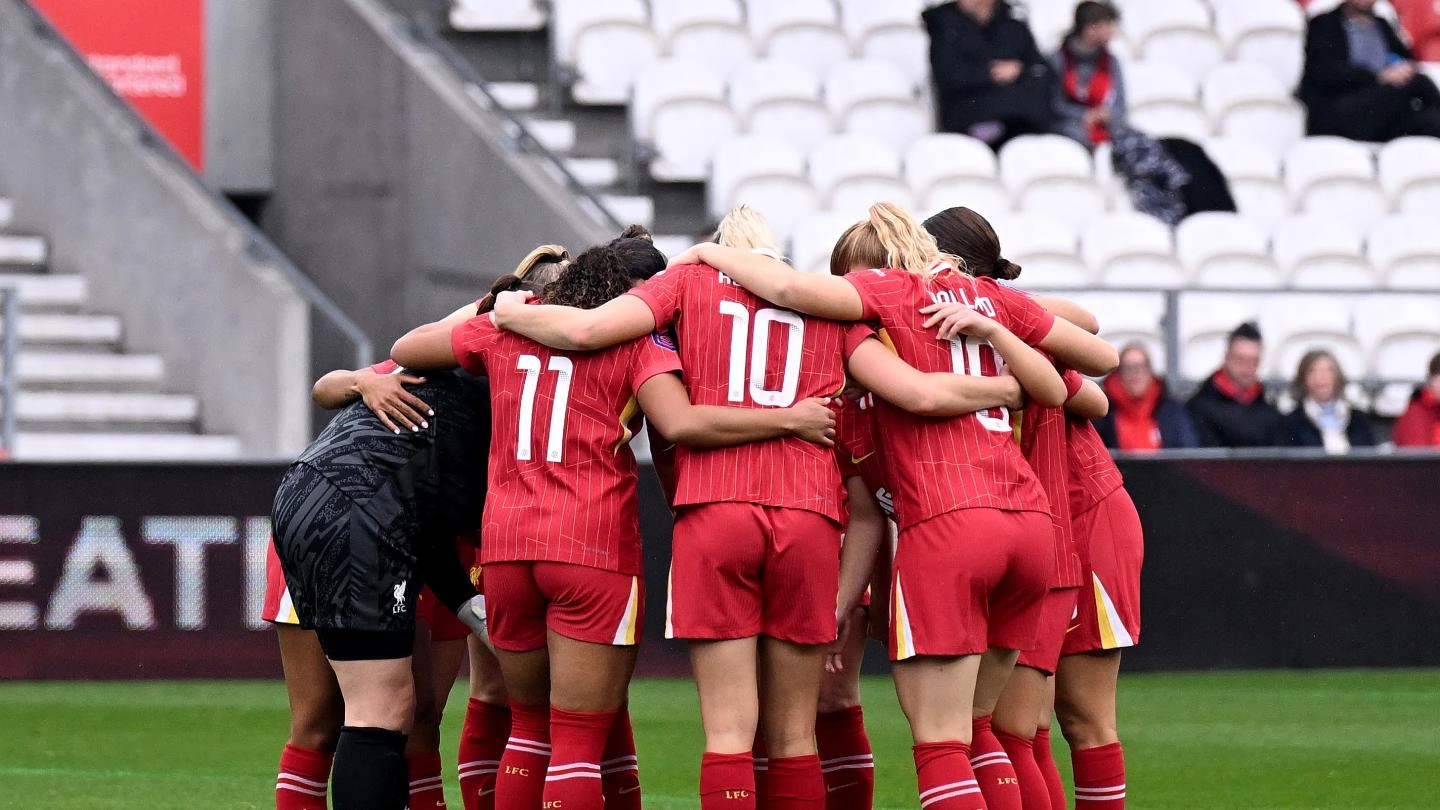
[555,447]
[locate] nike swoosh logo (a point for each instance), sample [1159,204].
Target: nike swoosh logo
[857,460]
[623,791]
[486,792]
[833,788]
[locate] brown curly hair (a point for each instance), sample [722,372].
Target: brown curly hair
[594,277]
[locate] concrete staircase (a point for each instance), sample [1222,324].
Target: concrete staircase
[82,397]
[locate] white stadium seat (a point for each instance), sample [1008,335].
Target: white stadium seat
[1247,100]
[1334,177]
[852,172]
[1322,252]
[497,15]
[1129,317]
[607,42]
[680,108]
[1225,250]
[1049,21]
[1267,32]
[1293,324]
[709,30]
[1205,322]
[1045,248]
[767,174]
[873,98]
[1164,101]
[780,100]
[1176,31]
[1409,171]
[815,237]
[806,32]
[1253,171]
[1053,175]
[1130,249]
[890,31]
[1405,251]
[1400,332]
[946,170]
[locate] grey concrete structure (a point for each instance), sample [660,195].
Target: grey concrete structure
[190,279]
[240,95]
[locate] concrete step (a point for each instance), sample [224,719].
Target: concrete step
[475,15]
[44,291]
[630,209]
[98,410]
[673,244]
[594,172]
[87,370]
[7,212]
[47,446]
[57,330]
[22,250]
[519,96]
[557,135]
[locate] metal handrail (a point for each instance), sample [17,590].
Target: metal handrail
[9,355]
[257,245]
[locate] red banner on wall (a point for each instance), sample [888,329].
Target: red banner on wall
[152,52]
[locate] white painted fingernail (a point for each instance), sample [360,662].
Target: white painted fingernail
[414,429]
[397,431]
[430,412]
[425,424]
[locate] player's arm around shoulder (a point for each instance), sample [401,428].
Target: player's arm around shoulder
[623,318]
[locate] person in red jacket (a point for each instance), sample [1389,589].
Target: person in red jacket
[1419,426]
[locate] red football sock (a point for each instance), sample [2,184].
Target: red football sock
[1034,794]
[1099,777]
[521,781]
[794,783]
[846,762]
[619,767]
[427,789]
[727,782]
[577,739]
[761,752]
[1045,758]
[482,742]
[993,768]
[301,784]
[946,781]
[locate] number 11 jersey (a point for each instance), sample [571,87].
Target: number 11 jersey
[742,351]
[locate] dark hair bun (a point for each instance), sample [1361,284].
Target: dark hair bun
[1006,270]
[637,232]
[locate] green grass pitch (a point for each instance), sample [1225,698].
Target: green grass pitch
[1292,740]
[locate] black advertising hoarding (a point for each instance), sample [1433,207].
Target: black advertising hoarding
[157,571]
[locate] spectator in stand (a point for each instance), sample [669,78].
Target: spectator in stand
[1360,79]
[1230,409]
[1419,426]
[1322,417]
[1089,95]
[1143,416]
[991,81]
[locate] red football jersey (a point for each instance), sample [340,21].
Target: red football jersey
[386,366]
[562,476]
[857,448]
[1041,430]
[1093,474]
[740,350]
[970,461]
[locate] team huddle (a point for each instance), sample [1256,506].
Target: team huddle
[901,449]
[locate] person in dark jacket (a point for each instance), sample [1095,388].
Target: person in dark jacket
[1419,426]
[1230,409]
[991,81]
[1361,81]
[1089,92]
[1322,417]
[1143,416]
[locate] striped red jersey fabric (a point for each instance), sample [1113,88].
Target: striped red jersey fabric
[970,461]
[1093,474]
[742,351]
[858,450]
[1042,434]
[562,476]
[386,366]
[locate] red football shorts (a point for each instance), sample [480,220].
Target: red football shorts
[969,580]
[1057,614]
[1112,549]
[740,570]
[526,599]
[277,609]
[443,624]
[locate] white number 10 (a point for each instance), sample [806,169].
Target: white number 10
[530,364]
[965,358]
[740,338]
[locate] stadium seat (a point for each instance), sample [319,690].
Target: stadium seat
[1253,171]
[946,170]
[1334,177]
[1049,21]
[780,100]
[1247,100]
[1321,252]
[680,108]
[1130,317]
[1225,250]
[815,237]
[852,172]
[890,31]
[708,30]
[873,98]
[1205,320]
[1409,171]
[1164,101]
[1264,32]
[1401,333]
[1053,175]
[767,174]
[1405,251]
[806,32]
[607,42]
[1045,248]
[1176,31]
[1294,324]
[1130,249]
[497,15]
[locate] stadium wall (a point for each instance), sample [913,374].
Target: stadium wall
[155,248]
[149,571]
[394,190]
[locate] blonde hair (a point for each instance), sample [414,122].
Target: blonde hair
[539,268]
[746,229]
[888,237]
